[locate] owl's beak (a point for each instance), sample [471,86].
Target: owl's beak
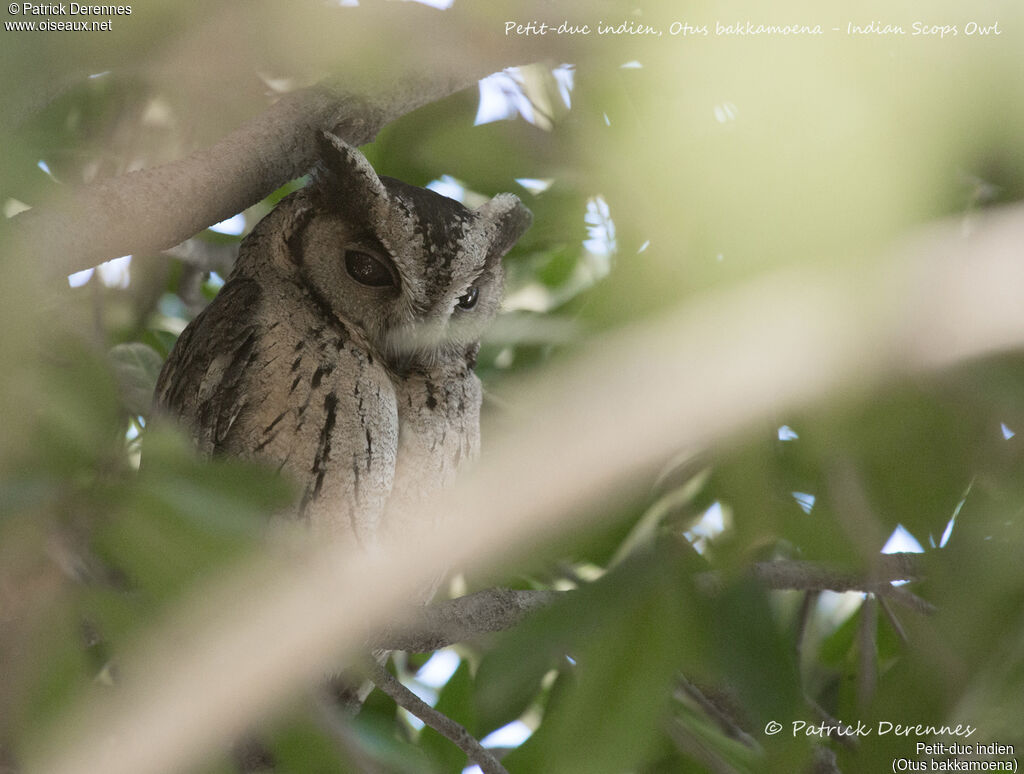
[415,343]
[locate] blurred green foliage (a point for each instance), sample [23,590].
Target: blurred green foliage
[718,160]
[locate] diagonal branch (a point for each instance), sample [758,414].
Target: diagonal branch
[438,721]
[155,209]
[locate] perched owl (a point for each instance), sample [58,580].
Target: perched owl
[341,349]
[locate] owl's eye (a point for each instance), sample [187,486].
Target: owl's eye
[367,270]
[468,301]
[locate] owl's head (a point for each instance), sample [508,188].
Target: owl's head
[417,273]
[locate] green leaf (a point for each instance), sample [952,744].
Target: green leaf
[509,677]
[136,368]
[836,646]
[182,515]
[627,654]
[646,529]
[80,422]
[23,492]
[376,736]
[160,340]
[55,667]
[752,651]
[301,747]
[220,495]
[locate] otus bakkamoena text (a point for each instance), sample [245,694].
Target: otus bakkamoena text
[341,348]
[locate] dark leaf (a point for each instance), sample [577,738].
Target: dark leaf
[136,368]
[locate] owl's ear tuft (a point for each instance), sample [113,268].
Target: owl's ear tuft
[504,219]
[343,176]
[292,228]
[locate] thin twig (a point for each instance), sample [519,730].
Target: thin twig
[907,599]
[724,721]
[803,619]
[696,748]
[833,727]
[894,622]
[824,762]
[438,721]
[867,674]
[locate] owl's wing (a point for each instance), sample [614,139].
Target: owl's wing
[204,381]
[309,401]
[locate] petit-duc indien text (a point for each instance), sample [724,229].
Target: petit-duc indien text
[942,748]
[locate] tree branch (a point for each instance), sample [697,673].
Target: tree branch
[155,209]
[907,599]
[867,656]
[426,629]
[688,690]
[438,721]
[817,576]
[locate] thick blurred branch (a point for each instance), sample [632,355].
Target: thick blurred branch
[368,85]
[155,209]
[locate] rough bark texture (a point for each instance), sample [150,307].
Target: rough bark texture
[457,620]
[493,610]
[821,577]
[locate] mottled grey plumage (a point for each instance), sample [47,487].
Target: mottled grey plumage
[341,348]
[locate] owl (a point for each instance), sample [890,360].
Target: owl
[341,349]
